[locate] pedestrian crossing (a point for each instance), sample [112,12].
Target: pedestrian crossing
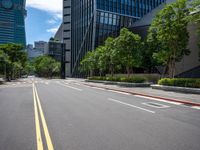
[25,82]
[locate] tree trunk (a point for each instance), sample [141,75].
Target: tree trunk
[128,71]
[111,70]
[91,73]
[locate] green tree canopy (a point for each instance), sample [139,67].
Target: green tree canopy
[15,59]
[89,62]
[45,66]
[129,44]
[169,31]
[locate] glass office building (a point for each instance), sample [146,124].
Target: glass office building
[12,26]
[92,21]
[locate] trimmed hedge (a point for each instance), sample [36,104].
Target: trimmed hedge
[120,79]
[180,82]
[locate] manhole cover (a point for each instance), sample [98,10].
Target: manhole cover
[156,105]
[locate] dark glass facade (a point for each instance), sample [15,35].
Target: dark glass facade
[94,20]
[12,26]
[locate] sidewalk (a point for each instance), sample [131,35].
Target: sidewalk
[190,99]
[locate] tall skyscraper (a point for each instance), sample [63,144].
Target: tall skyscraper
[86,24]
[12,25]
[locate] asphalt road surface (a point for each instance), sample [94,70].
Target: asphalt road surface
[37,114]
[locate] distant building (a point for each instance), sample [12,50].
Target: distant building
[39,49]
[59,34]
[40,45]
[29,46]
[32,52]
[12,26]
[55,49]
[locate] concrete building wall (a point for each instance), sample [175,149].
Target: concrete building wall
[67,34]
[191,61]
[59,34]
[40,45]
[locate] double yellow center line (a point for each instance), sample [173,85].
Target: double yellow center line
[39,114]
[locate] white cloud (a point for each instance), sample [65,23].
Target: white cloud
[51,21]
[53,30]
[52,6]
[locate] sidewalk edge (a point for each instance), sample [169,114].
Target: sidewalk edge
[150,96]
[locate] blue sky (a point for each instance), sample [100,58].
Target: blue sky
[43,19]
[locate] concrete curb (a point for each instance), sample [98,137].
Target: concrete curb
[124,84]
[150,96]
[177,89]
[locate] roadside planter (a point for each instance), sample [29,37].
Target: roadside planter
[177,89]
[124,84]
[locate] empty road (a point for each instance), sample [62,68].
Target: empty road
[37,114]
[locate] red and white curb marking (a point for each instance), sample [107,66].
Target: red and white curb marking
[156,98]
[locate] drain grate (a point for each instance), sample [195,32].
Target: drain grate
[156,105]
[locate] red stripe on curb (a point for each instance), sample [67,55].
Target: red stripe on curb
[150,96]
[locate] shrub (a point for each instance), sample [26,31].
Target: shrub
[120,79]
[180,82]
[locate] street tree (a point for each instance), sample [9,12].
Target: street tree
[3,61]
[128,44]
[148,48]
[110,57]
[169,28]
[16,59]
[89,63]
[45,66]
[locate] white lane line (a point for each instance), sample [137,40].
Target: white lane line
[70,87]
[151,98]
[130,105]
[157,105]
[46,83]
[19,86]
[119,92]
[196,107]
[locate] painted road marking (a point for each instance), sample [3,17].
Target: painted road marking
[44,124]
[37,123]
[196,107]
[130,105]
[155,105]
[39,112]
[10,86]
[119,92]
[151,98]
[70,87]
[96,88]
